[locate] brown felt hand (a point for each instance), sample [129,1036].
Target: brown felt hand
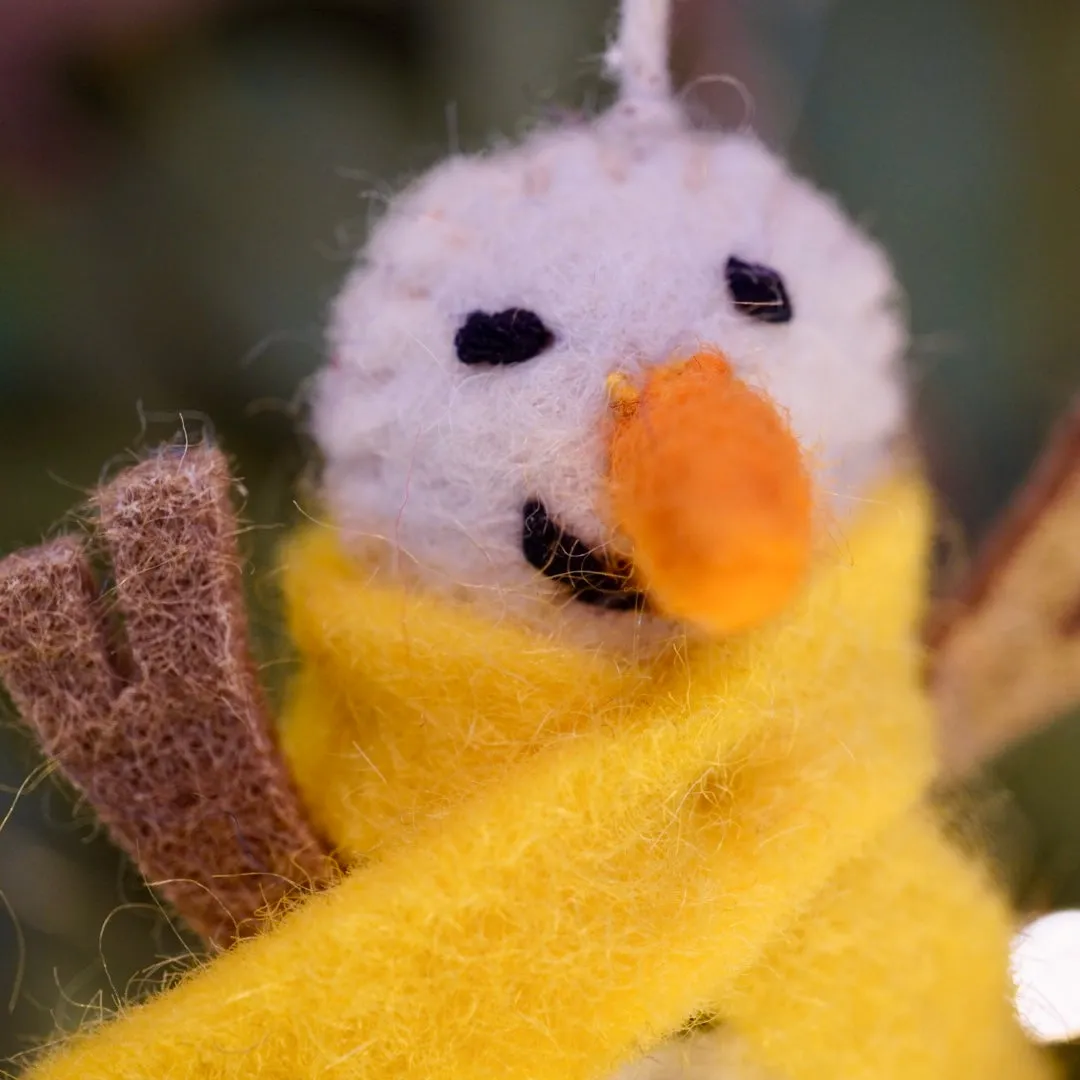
[1006,646]
[166,736]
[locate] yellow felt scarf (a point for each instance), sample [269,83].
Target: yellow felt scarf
[561,856]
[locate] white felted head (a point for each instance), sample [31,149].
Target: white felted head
[466,418]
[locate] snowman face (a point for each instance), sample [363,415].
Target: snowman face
[462,416]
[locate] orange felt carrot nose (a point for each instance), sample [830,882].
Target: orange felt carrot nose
[710,486]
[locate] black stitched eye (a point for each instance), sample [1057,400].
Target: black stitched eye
[757,291]
[504,337]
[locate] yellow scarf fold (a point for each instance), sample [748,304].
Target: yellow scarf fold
[561,856]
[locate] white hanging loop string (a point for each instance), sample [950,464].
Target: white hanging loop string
[638,57]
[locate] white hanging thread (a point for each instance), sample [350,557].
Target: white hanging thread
[638,57]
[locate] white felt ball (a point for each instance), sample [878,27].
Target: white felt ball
[1045,966]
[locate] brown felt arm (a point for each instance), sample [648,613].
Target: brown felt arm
[53,648]
[1006,646]
[179,759]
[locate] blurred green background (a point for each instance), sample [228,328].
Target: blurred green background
[184,182]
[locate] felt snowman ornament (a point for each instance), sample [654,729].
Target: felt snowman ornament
[611,704]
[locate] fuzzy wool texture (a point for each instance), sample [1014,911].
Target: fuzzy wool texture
[616,234]
[790,1016]
[742,832]
[164,732]
[564,846]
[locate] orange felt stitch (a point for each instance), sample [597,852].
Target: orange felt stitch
[710,486]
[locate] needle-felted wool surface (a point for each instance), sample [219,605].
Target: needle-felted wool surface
[163,728]
[611,693]
[621,252]
[618,236]
[742,833]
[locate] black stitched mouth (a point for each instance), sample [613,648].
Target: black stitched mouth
[586,572]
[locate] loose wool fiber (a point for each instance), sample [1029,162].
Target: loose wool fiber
[738,831]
